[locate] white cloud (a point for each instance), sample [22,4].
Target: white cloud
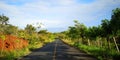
[59,13]
[48,23]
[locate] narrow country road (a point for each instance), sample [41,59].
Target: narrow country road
[57,50]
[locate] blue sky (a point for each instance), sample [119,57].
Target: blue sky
[57,15]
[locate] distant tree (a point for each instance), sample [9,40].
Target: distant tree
[73,33]
[10,29]
[30,29]
[77,31]
[43,32]
[3,19]
[106,27]
[81,28]
[94,32]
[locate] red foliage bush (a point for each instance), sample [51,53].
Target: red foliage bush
[11,43]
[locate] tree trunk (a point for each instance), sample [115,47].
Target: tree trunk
[116,44]
[101,44]
[109,45]
[88,42]
[98,43]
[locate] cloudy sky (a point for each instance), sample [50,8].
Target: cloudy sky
[57,15]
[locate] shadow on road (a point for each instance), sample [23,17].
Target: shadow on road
[63,52]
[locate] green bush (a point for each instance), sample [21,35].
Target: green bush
[11,55]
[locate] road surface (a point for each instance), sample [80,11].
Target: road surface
[58,50]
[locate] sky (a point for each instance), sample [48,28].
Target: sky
[57,15]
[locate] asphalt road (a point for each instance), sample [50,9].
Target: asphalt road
[57,50]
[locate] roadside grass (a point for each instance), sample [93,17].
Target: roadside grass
[15,54]
[35,46]
[34,42]
[12,55]
[102,53]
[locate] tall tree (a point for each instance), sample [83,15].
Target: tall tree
[3,19]
[115,20]
[81,28]
[77,32]
[73,33]
[3,23]
[115,26]
[106,27]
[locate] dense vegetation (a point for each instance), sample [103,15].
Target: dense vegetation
[15,42]
[102,41]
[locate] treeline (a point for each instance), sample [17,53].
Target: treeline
[11,35]
[103,41]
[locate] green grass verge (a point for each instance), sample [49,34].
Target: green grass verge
[11,55]
[100,53]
